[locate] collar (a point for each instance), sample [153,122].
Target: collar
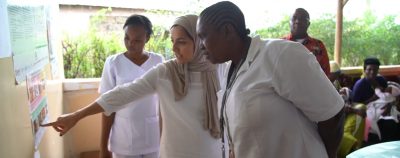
[290,37]
[254,50]
[252,53]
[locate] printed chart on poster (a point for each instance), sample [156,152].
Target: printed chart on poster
[28,34]
[52,12]
[5,48]
[35,83]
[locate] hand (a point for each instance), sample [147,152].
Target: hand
[361,112]
[348,109]
[231,154]
[64,123]
[386,110]
[104,153]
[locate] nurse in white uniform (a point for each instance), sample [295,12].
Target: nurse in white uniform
[187,89]
[276,101]
[135,129]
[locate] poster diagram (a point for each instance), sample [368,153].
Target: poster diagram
[52,12]
[5,48]
[28,35]
[37,104]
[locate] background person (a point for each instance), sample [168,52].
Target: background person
[364,91]
[299,23]
[364,88]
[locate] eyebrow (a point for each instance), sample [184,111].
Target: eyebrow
[181,38]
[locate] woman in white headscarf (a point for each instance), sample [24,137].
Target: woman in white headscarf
[186,86]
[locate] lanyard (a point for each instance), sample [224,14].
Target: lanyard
[231,80]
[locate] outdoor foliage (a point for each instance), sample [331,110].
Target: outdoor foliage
[160,42]
[84,56]
[363,37]
[367,36]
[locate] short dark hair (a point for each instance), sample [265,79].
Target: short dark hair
[139,20]
[304,11]
[371,61]
[225,12]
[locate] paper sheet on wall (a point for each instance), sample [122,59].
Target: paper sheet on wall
[5,47]
[52,12]
[37,154]
[28,34]
[35,82]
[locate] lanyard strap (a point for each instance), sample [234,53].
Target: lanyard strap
[231,80]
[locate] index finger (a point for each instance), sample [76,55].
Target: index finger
[48,124]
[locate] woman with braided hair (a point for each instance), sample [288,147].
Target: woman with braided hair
[276,101]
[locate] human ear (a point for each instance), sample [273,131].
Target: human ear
[147,38]
[228,30]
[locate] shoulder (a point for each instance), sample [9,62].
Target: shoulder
[278,51]
[315,40]
[280,43]
[360,82]
[272,49]
[156,57]
[113,58]
[281,46]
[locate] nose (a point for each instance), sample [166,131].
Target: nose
[132,42]
[174,48]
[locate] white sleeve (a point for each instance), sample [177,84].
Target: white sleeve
[118,97]
[299,78]
[162,58]
[107,78]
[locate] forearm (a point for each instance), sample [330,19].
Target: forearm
[93,108]
[65,122]
[331,132]
[107,122]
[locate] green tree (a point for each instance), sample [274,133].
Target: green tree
[277,31]
[362,37]
[324,30]
[84,56]
[160,42]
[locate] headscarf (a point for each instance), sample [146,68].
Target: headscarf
[180,76]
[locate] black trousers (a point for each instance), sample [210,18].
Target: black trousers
[389,129]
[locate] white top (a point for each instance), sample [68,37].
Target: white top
[279,96]
[183,133]
[376,108]
[136,129]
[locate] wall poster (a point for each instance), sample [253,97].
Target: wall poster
[28,35]
[35,82]
[5,48]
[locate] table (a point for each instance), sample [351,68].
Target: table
[381,150]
